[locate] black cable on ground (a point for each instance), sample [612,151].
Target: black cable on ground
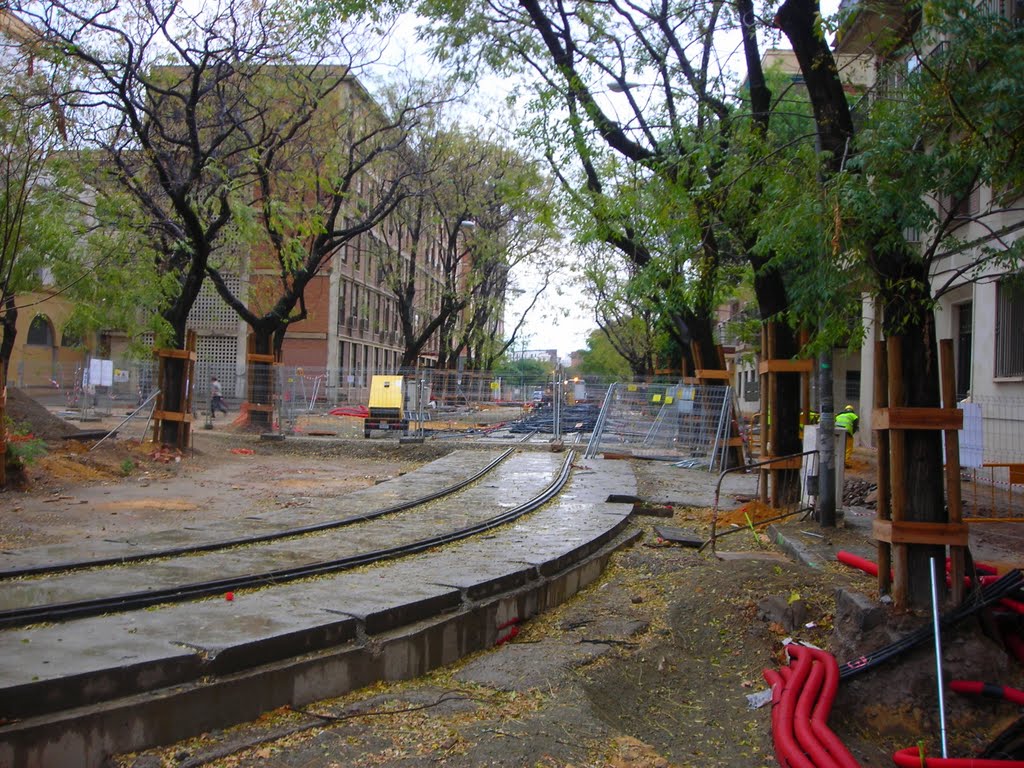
[988,595]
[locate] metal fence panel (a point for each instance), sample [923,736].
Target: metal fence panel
[686,423]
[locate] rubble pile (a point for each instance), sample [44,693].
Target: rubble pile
[860,493]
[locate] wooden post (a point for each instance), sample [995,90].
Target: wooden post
[805,385]
[957,559]
[882,471]
[766,400]
[769,368]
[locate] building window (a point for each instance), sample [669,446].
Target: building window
[40,332]
[1009,321]
[852,389]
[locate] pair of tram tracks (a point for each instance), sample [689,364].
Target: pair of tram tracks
[56,612]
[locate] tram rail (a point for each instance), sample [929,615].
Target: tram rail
[261,538]
[57,612]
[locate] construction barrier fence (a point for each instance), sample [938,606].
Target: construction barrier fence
[688,424]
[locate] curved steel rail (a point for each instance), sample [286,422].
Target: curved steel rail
[138,600]
[210,546]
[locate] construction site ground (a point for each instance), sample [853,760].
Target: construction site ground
[652,666]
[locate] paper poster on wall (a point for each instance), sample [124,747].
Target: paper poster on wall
[972,436]
[101,373]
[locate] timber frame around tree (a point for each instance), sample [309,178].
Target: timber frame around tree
[773,483]
[890,421]
[172,414]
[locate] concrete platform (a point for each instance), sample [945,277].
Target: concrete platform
[86,689]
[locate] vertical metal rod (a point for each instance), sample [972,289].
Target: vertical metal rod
[938,655]
[556,406]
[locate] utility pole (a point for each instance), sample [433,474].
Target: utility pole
[826,442]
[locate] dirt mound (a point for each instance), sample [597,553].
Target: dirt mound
[26,413]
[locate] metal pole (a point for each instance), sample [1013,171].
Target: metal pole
[938,654]
[422,406]
[556,406]
[128,418]
[826,443]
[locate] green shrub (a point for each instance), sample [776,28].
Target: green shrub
[23,447]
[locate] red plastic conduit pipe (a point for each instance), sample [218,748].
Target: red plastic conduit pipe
[870,568]
[1014,605]
[1014,643]
[823,707]
[856,561]
[805,699]
[989,690]
[795,678]
[775,681]
[783,734]
[911,758]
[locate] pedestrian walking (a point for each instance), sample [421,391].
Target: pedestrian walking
[216,398]
[848,420]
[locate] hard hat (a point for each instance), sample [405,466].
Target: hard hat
[848,408]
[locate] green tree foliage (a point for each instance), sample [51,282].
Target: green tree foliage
[941,150]
[600,358]
[37,222]
[524,368]
[668,136]
[478,212]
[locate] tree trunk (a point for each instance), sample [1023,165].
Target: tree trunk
[174,380]
[9,323]
[771,300]
[905,290]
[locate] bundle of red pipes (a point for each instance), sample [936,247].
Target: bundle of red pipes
[802,696]
[987,575]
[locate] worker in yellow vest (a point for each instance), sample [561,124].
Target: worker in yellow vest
[848,420]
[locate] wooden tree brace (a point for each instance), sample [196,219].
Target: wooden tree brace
[785,366]
[172,416]
[910,532]
[181,354]
[917,418]
[711,374]
[790,462]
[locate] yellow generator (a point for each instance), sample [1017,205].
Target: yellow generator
[387,405]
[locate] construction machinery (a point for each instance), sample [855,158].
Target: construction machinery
[387,405]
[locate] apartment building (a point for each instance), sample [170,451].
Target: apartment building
[351,328]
